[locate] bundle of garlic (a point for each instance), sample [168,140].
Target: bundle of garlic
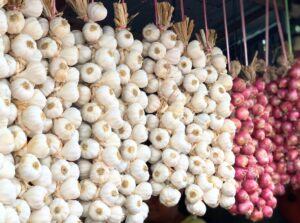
[190,135]
[113,170]
[77,107]
[37,173]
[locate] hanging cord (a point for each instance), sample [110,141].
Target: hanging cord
[267,35]
[205,21]
[182,10]
[125,9]
[288,29]
[244,31]
[279,26]
[156,13]
[54,8]
[226,35]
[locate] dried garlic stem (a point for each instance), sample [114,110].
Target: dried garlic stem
[210,42]
[80,7]
[250,71]
[184,30]
[165,11]
[48,8]
[122,18]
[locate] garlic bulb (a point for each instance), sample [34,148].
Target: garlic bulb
[96,11]
[35,72]
[33,28]
[32,8]
[25,47]
[16,22]
[59,27]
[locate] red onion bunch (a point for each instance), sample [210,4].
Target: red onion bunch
[284,98]
[255,193]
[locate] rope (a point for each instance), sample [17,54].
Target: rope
[288,28]
[226,34]
[244,31]
[205,21]
[267,34]
[182,10]
[279,26]
[156,12]
[53,8]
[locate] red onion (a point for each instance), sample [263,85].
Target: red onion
[293,154]
[260,84]
[286,106]
[275,101]
[272,87]
[272,202]
[266,143]
[294,72]
[247,93]
[277,113]
[262,99]
[262,156]
[282,93]
[266,194]
[287,127]
[258,109]
[247,126]
[261,203]
[250,185]
[256,215]
[254,197]
[259,134]
[236,149]
[267,211]
[237,99]
[278,140]
[240,173]
[239,85]
[246,208]
[265,180]
[254,165]
[295,84]
[293,116]
[242,196]
[242,113]
[237,123]
[248,149]
[242,138]
[241,161]
[292,95]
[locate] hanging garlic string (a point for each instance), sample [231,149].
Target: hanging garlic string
[279,26]
[244,31]
[226,35]
[288,29]
[267,35]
